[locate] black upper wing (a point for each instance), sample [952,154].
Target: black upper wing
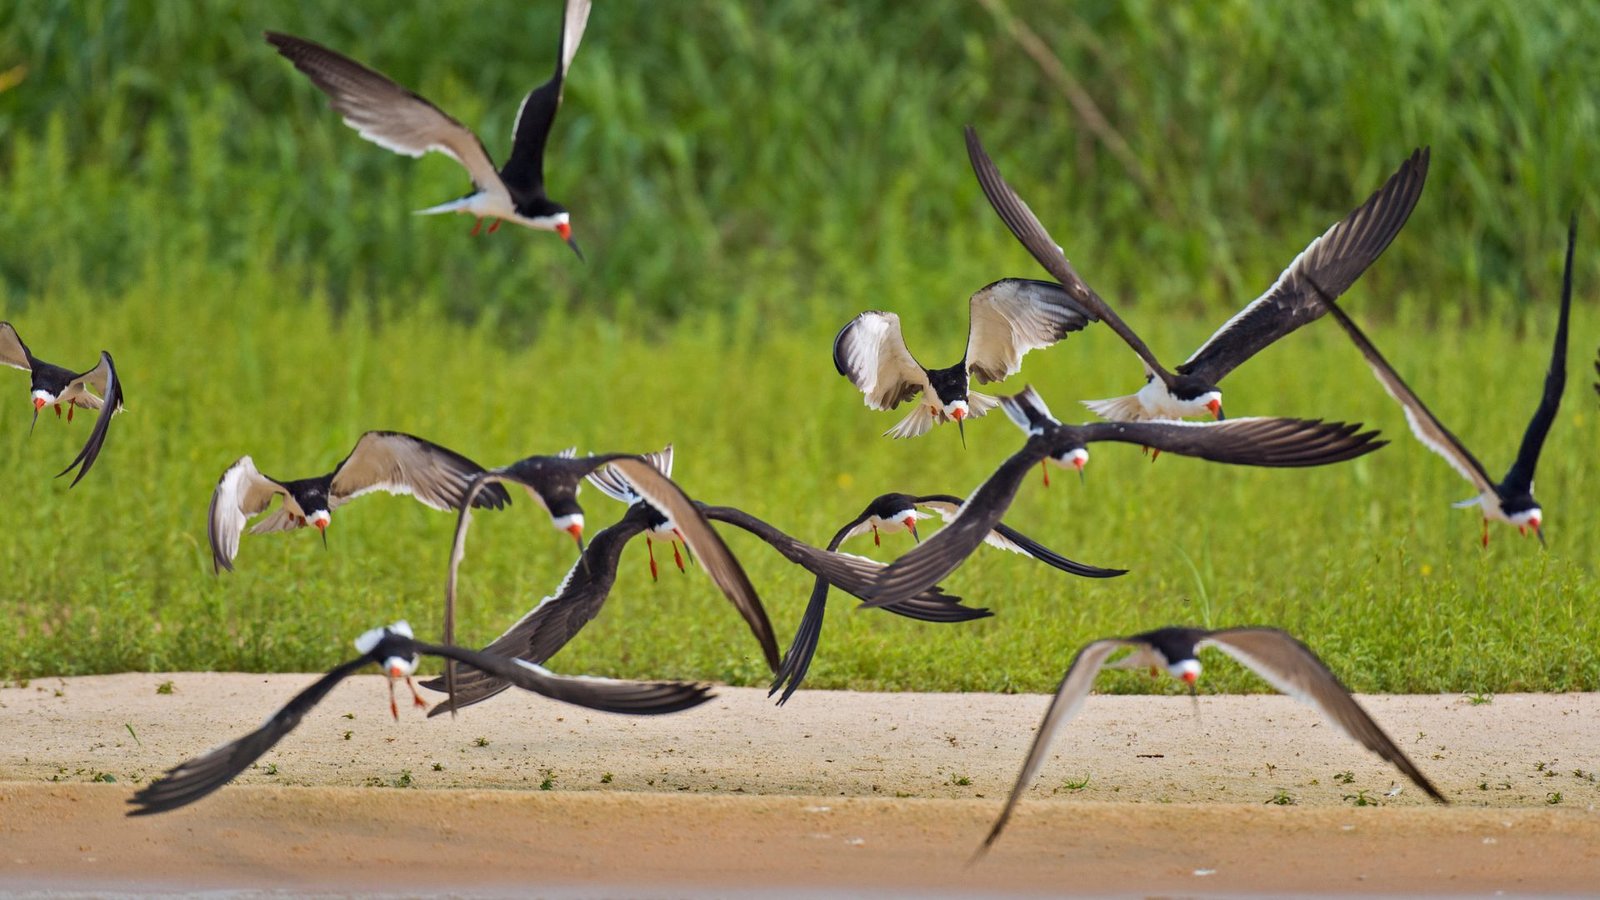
[1335,259]
[524,170]
[1007,538]
[634,698]
[1294,669]
[930,561]
[557,619]
[1519,479]
[702,540]
[112,403]
[191,780]
[1271,442]
[1027,228]
[1424,424]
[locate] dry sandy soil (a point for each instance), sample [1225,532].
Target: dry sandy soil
[837,794]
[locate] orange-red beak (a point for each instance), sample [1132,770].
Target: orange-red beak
[958,414]
[1189,678]
[911,526]
[38,404]
[396,672]
[1216,409]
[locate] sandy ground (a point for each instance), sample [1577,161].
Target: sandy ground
[836,794]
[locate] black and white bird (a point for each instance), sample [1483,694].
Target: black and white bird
[51,385]
[381,461]
[394,650]
[891,513]
[1006,319]
[398,119]
[659,528]
[579,598]
[1275,655]
[1511,500]
[580,595]
[553,482]
[1336,259]
[1249,441]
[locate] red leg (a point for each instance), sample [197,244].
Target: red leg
[416,698]
[875,541]
[393,709]
[1044,466]
[477,226]
[495,227]
[650,548]
[1154,453]
[677,557]
[1485,533]
[58,410]
[69,412]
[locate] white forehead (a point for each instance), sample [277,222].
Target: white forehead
[1072,457]
[562,523]
[1184,667]
[406,666]
[1527,515]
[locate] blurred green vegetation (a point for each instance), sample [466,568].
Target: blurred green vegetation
[744,179]
[801,158]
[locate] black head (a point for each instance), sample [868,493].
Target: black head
[391,643]
[888,505]
[1524,512]
[949,385]
[1195,390]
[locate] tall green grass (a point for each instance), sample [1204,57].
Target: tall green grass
[1365,560]
[802,158]
[744,179]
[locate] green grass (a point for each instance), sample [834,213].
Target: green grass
[1365,560]
[744,180]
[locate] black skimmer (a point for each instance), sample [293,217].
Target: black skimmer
[398,119]
[1511,500]
[394,650]
[1275,655]
[1335,259]
[553,482]
[558,618]
[381,461]
[892,513]
[1006,320]
[613,485]
[587,584]
[1249,441]
[51,385]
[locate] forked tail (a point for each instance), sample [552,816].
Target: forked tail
[1118,409]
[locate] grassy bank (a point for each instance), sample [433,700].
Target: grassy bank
[744,180]
[1366,559]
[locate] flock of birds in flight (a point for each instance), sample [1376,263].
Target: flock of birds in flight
[1008,318]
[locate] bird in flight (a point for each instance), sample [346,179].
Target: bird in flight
[52,385]
[1336,259]
[1511,499]
[1275,655]
[403,121]
[1006,319]
[1249,441]
[381,461]
[396,652]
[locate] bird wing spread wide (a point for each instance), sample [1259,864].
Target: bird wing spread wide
[1010,317]
[387,114]
[241,492]
[1335,259]
[871,352]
